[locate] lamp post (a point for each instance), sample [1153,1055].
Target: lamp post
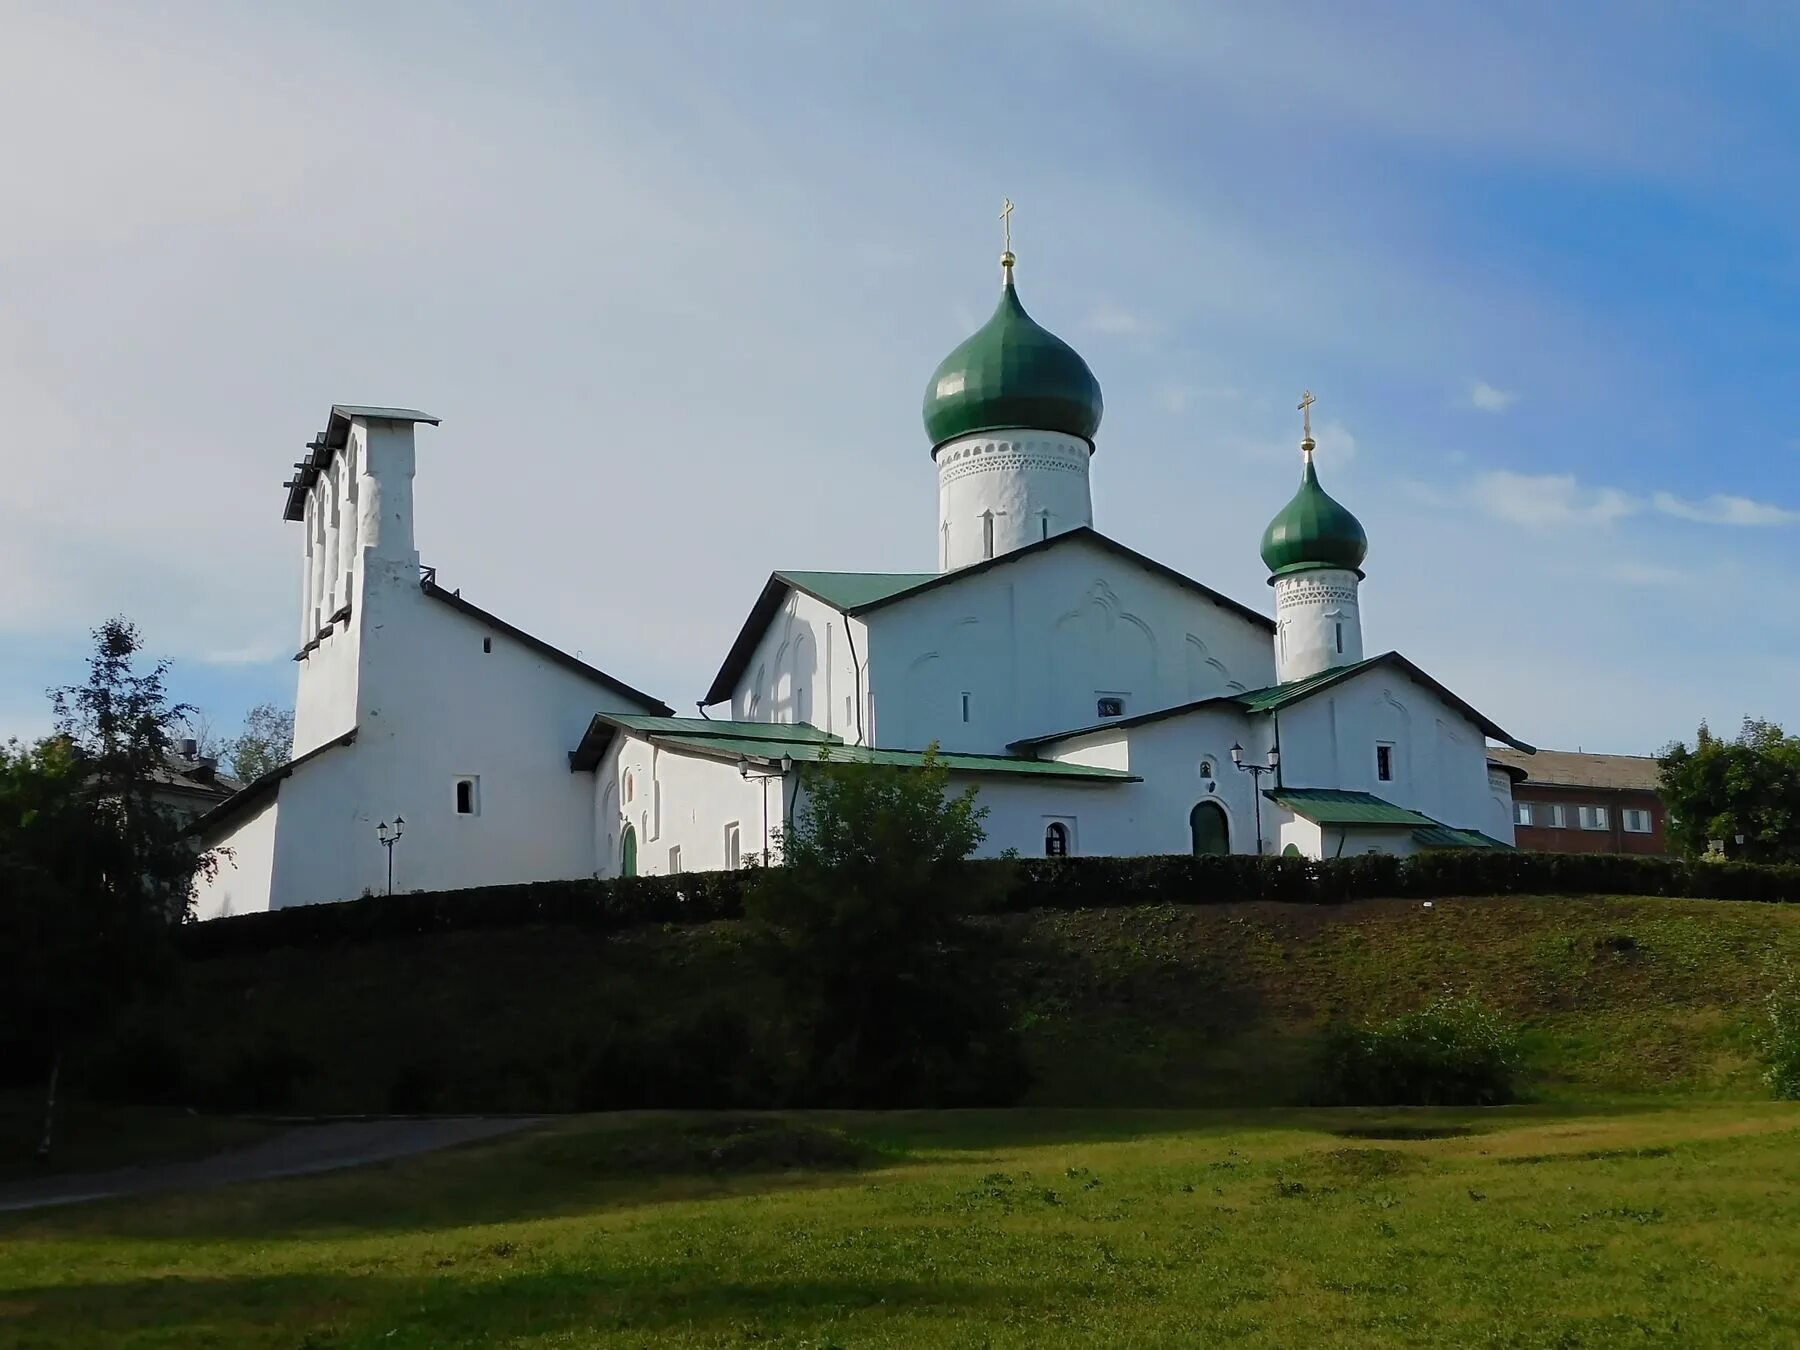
[1256,772]
[787,767]
[389,836]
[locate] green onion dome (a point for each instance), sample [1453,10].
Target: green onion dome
[1012,372]
[1313,531]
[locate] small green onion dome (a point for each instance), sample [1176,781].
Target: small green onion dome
[1313,531]
[1012,372]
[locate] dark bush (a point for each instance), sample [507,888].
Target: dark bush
[257,1078]
[1455,1051]
[1031,883]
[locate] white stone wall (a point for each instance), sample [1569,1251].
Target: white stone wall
[809,666]
[679,801]
[1439,757]
[1318,622]
[246,859]
[1500,795]
[1036,642]
[998,491]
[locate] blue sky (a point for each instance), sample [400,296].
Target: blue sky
[675,276]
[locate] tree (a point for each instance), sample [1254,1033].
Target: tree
[888,995]
[94,872]
[1720,789]
[265,743]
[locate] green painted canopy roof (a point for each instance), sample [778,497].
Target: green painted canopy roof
[1313,530]
[1012,372]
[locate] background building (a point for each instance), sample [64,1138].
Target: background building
[1569,802]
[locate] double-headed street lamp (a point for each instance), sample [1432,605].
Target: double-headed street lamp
[1256,772]
[389,835]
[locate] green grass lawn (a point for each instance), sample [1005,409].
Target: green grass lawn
[1675,1224]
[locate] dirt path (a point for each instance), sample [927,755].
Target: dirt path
[305,1148]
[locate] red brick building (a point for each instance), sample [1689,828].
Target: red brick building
[1569,802]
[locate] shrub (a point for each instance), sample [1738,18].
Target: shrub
[1781,1039]
[1455,1051]
[1010,884]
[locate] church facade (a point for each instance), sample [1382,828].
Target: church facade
[1103,702]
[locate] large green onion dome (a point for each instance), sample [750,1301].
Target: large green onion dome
[1012,373]
[1313,531]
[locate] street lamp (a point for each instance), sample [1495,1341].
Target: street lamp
[787,767]
[389,836]
[1256,772]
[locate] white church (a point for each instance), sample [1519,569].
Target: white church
[1103,702]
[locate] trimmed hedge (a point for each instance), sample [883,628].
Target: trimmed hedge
[1033,883]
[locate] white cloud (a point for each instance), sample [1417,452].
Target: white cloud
[1724,509]
[1547,501]
[1486,398]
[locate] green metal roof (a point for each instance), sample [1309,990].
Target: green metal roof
[1337,806]
[1278,696]
[706,726]
[1313,530]
[1012,372]
[808,751]
[849,590]
[1445,836]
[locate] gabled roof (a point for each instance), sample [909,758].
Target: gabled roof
[861,592]
[258,791]
[770,742]
[1447,836]
[1279,696]
[1571,768]
[1338,806]
[333,439]
[573,663]
[604,726]
[1344,809]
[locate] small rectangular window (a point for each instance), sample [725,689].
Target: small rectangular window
[674,859]
[1111,705]
[965,707]
[1521,813]
[1593,817]
[1340,639]
[1637,822]
[487,644]
[1559,817]
[1384,763]
[468,799]
[734,855]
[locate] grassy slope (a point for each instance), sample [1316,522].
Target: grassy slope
[1153,1005]
[1523,1227]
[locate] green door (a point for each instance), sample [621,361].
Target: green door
[628,853]
[1206,822]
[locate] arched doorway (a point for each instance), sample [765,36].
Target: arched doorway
[628,853]
[1207,825]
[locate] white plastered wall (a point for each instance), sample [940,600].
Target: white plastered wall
[1439,756]
[807,667]
[246,861]
[679,801]
[1037,641]
[1001,490]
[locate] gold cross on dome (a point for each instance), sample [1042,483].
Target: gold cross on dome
[1305,405]
[1006,211]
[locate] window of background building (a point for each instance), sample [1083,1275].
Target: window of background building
[1637,822]
[1559,817]
[1593,817]
[1521,813]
